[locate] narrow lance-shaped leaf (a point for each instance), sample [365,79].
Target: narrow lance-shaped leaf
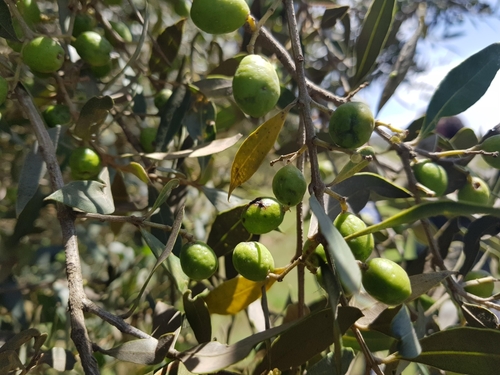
[92,115]
[6,28]
[428,209]
[423,282]
[373,34]
[163,196]
[402,329]
[254,149]
[166,47]
[345,263]
[198,317]
[463,86]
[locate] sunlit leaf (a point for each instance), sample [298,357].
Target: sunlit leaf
[87,196]
[342,257]
[137,170]
[254,150]
[92,115]
[376,26]
[463,86]
[236,294]
[464,350]
[422,283]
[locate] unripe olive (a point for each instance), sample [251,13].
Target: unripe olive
[474,191]
[432,176]
[289,185]
[43,55]
[93,48]
[253,260]
[4,90]
[386,281]
[492,144]
[262,215]
[351,125]
[483,290]
[198,260]
[219,16]
[347,224]
[85,163]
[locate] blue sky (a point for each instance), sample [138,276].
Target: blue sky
[410,100]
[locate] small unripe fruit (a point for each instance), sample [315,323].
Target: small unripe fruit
[85,163]
[122,30]
[4,90]
[43,55]
[93,48]
[289,185]
[30,11]
[386,281]
[219,16]
[351,125]
[83,22]
[262,215]
[58,114]
[162,97]
[483,290]
[347,224]
[256,86]
[432,176]
[198,260]
[147,139]
[253,260]
[492,144]
[474,191]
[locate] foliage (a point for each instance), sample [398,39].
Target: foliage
[90,276]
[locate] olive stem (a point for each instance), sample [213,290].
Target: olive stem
[290,157]
[256,28]
[342,200]
[391,128]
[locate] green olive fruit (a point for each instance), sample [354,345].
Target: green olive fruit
[262,215]
[147,139]
[351,125]
[93,48]
[432,176]
[58,114]
[4,90]
[30,11]
[219,16]
[102,71]
[426,301]
[122,30]
[83,22]
[162,97]
[43,55]
[492,144]
[386,281]
[347,224]
[85,163]
[181,8]
[256,86]
[289,185]
[198,260]
[474,191]
[253,260]
[483,290]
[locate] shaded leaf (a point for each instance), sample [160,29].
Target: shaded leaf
[479,316]
[326,366]
[9,360]
[215,86]
[172,264]
[463,86]
[332,15]
[228,116]
[6,28]
[375,340]
[402,329]
[308,337]
[166,47]
[236,294]
[464,350]
[198,316]
[354,166]
[422,283]
[148,351]
[92,115]
[428,209]
[254,150]
[227,231]
[200,119]
[87,196]
[209,148]
[59,359]
[372,37]
[228,67]
[19,339]
[219,199]
[163,196]
[32,171]
[472,239]
[166,319]
[344,262]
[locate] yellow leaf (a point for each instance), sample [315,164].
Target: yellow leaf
[137,170]
[236,294]
[254,149]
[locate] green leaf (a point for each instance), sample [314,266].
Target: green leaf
[463,86]
[87,196]
[215,86]
[422,283]
[6,28]
[137,170]
[373,34]
[402,329]
[172,264]
[227,231]
[198,317]
[92,115]
[166,48]
[308,337]
[425,210]
[219,199]
[464,350]
[353,166]
[332,15]
[163,196]
[254,150]
[479,316]
[344,262]
[326,366]
[200,119]
[472,239]
[21,338]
